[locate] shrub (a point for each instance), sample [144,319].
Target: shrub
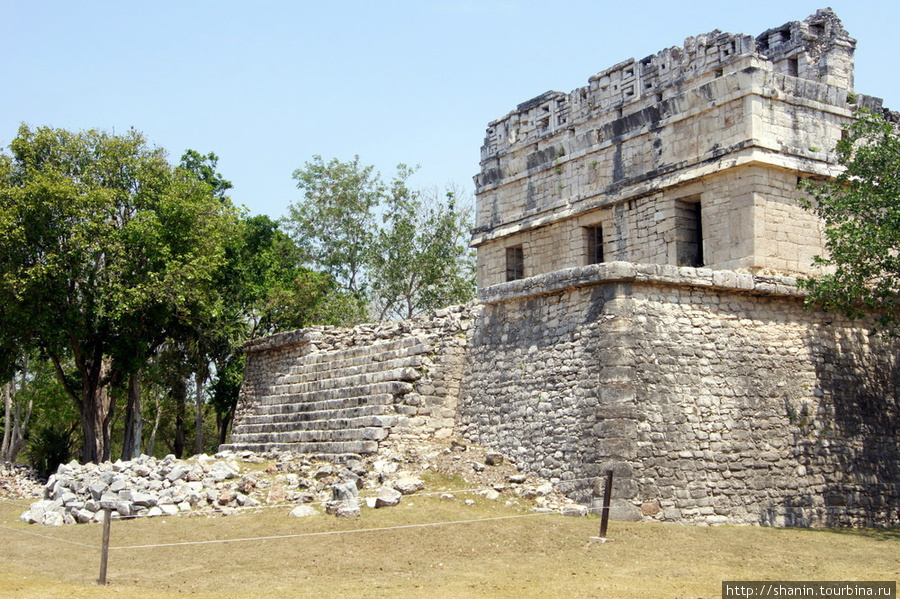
[50,446]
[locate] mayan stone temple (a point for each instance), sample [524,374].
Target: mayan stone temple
[689,157]
[637,242]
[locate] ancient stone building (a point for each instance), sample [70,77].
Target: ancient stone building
[688,157]
[637,241]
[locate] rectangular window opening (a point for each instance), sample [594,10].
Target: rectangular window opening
[594,241]
[793,67]
[515,263]
[688,232]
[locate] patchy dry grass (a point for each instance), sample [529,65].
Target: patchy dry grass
[396,552]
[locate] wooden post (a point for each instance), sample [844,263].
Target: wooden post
[607,497]
[104,551]
[604,514]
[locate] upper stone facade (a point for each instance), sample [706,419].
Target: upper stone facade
[689,157]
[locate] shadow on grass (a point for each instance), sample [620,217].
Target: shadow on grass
[876,534]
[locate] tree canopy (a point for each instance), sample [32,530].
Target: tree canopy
[122,275]
[415,259]
[861,212]
[104,246]
[335,222]
[420,259]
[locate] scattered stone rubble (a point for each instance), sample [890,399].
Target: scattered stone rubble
[220,485]
[144,486]
[19,482]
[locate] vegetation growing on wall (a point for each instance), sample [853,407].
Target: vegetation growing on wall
[861,212]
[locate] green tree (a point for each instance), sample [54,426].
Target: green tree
[219,326]
[335,222]
[204,168]
[417,260]
[420,259]
[104,246]
[272,288]
[861,212]
[34,401]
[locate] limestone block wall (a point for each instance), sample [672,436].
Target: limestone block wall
[750,216]
[726,120]
[341,391]
[714,396]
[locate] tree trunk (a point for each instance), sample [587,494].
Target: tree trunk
[138,426]
[7,424]
[151,443]
[15,423]
[223,421]
[198,418]
[96,417]
[180,398]
[131,446]
[97,408]
[94,402]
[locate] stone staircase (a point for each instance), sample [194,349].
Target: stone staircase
[336,403]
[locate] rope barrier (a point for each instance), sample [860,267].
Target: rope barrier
[327,533]
[267,538]
[34,534]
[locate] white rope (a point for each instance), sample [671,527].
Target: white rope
[327,533]
[34,534]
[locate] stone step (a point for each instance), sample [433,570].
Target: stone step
[300,416]
[318,424]
[331,451]
[345,368]
[396,348]
[333,398]
[349,381]
[333,403]
[318,364]
[314,436]
[310,402]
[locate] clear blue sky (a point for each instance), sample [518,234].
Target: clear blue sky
[268,84]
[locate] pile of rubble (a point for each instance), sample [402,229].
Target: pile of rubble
[19,482]
[141,487]
[228,481]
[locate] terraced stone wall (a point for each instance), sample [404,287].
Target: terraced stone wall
[714,396]
[343,392]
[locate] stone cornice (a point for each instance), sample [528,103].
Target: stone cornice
[653,274]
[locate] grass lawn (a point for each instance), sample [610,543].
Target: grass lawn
[399,552]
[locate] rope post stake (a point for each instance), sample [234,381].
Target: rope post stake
[604,514]
[104,551]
